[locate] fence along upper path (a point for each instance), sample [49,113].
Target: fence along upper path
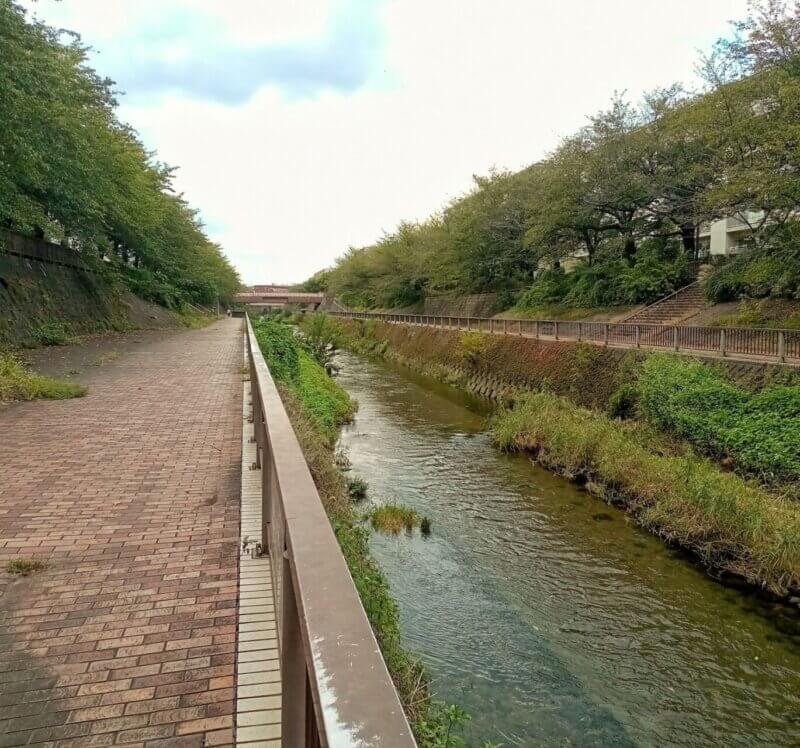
[737,343]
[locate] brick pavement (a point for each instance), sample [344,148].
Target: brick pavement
[131,496]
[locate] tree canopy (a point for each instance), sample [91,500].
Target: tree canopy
[627,193]
[72,172]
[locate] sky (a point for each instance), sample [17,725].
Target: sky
[303,127]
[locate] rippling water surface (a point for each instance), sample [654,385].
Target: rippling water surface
[545,613]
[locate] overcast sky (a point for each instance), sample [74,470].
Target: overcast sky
[301,127]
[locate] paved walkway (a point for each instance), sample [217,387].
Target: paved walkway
[131,496]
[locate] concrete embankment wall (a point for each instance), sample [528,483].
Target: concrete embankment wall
[42,283]
[496,365]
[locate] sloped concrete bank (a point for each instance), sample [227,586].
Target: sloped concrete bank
[496,366]
[42,283]
[710,515]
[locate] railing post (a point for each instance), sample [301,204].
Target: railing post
[505,327]
[580,331]
[294,673]
[267,469]
[258,421]
[605,333]
[781,346]
[519,327]
[722,342]
[537,329]
[675,338]
[556,330]
[638,336]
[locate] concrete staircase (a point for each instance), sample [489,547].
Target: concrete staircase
[673,309]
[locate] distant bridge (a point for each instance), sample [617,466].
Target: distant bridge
[254,300]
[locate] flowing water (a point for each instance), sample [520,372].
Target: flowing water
[543,612]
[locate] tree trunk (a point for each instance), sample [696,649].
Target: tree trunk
[630,249]
[688,238]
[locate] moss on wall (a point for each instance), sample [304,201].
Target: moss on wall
[35,293]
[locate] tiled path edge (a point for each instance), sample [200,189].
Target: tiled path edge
[258,687]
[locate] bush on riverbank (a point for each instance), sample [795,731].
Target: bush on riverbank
[17,383]
[317,406]
[292,365]
[758,431]
[731,524]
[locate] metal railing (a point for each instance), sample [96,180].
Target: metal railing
[336,688]
[758,344]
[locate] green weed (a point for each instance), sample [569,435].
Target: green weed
[25,566]
[759,432]
[18,383]
[393,518]
[730,523]
[52,333]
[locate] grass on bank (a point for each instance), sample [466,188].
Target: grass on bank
[317,406]
[729,523]
[18,383]
[758,432]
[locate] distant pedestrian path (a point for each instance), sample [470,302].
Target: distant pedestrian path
[131,496]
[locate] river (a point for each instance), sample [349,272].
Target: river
[549,616]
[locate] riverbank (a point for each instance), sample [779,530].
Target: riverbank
[728,521]
[550,617]
[317,407]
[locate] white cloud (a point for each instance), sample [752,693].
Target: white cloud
[287,184]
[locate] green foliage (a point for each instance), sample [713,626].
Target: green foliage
[327,404]
[52,333]
[322,334]
[74,173]
[291,364]
[728,522]
[280,348]
[626,194]
[24,567]
[357,488]
[473,345]
[757,274]
[760,431]
[392,518]
[17,383]
[612,282]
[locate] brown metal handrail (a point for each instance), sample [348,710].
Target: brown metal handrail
[336,688]
[758,344]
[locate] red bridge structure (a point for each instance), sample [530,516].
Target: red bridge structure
[268,296]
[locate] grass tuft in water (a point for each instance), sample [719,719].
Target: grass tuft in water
[393,518]
[357,488]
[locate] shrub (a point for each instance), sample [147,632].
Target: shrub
[756,274]
[357,488]
[280,349]
[17,383]
[610,281]
[52,333]
[473,345]
[759,431]
[731,524]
